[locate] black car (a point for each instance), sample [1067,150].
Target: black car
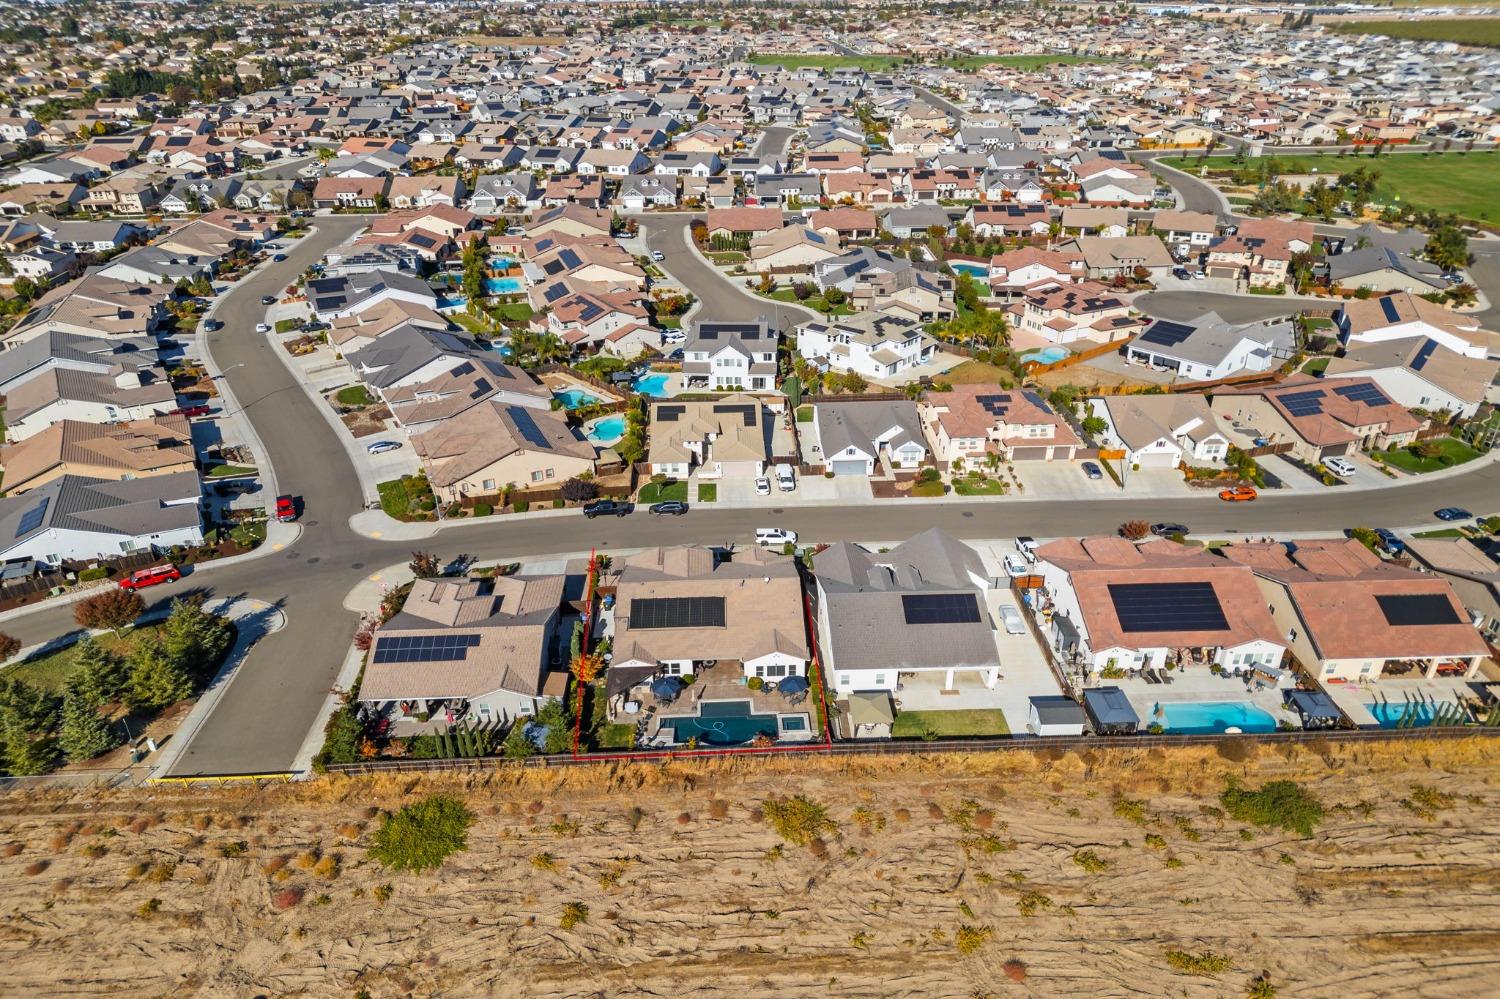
[607,508]
[314,326]
[268,300]
[1167,530]
[671,508]
[1453,513]
[209,325]
[1092,470]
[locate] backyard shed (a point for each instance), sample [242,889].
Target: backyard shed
[870,714]
[1315,708]
[1055,715]
[1109,711]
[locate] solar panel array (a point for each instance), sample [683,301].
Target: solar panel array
[677,612]
[1365,393]
[1308,403]
[527,427]
[1410,609]
[1420,361]
[1166,333]
[1388,306]
[423,648]
[32,519]
[669,414]
[940,608]
[995,405]
[1146,607]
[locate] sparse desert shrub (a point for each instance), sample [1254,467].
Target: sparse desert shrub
[148,908]
[798,819]
[1237,750]
[1207,963]
[306,860]
[61,841]
[544,862]
[94,851]
[36,867]
[351,830]
[1156,841]
[934,811]
[162,872]
[902,814]
[818,847]
[273,865]
[1260,987]
[136,870]
[327,867]
[1425,802]
[383,893]
[1130,809]
[633,818]
[573,913]
[969,939]
[422,835]
[718,809]
[1015,970]
[12,848]
[235,849]
[684,818]
[287,898]
[1090,861]
[1031,902]
[1280,804]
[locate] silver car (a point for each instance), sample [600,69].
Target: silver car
[1011,617]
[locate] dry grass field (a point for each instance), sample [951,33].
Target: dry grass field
[1010,874]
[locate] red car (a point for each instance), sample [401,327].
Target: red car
[142,578]
[1239,494]
[286,509]
[199,410]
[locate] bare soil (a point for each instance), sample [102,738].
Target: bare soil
[921,890]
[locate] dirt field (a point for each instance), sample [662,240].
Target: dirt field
[922,890]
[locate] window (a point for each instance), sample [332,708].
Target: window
[880,679]
[550,473]
[536,476]
[1330,669]
[844,680]
[777,670]
[489,484]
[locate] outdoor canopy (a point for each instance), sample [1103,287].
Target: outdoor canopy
[793,685]
[666,687]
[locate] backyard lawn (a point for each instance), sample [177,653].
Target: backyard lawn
[653,493]
[355,395]
[815,302]
[972,372]
[51,671]
[1450,452]
[616,736]
[972,721]
[1464,183]
[1316,365]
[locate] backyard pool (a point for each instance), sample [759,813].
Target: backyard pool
[721,723]
[973,270]
[1402,714]
[1212,717]
[652,385]
[606,431]
[451,301]
[502,286]
[573,398]
[1047,355]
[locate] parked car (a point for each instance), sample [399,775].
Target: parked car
[278,257]
[200,409]
[211,325]
[1453,513]
[1392,544]
[1181,273]
[774,536]
[786,479]
[262,327]
[1342,467]
[1010,616]
[1239,494]
[607,508]
[286,509]
[1015,565]
[1167,530]
[142,578]
[658,256]
[1092,470]
[314,326]
[1198,275]
[762,486]
[671,508]
[673,336]
[268,300]
[382,447]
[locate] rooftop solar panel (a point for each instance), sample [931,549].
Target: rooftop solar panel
[32,519]
[669,414]
[527,427]
[1148,607]
[1424,355]
[940,608]
[1411,609]
[1365,393]
[676,612]
[1166,333]
[1388,306]
[423,648]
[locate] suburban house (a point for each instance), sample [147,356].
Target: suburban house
[676,608]
[1402,315]
[477,651]
[1381,269]
[487,447]
[57,393]
[1322,419]
[1070,313]
[1130,257]
[918,608]
[858,437]
[1420,373]
[1258,261]
[973,422]
[1210,347]
[742,222]
[723,437]
[468,382]
[1007,218]
[922,295]
[877,346]
[794,249]
[1160,431]
[1350,616]
[162,445]
[1014,272]
[1191,229]
[730,356]
[337,297]
[78,518]
[843,271]
[1118,605]
[1474,576]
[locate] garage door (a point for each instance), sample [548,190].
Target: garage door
[850,468]
[1158,459]
[1029,453]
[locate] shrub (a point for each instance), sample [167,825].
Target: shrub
[483,509]
[422,835]
[1207,963]
[969,939]
[521,506]
[544,862]
[1131,810]
[1015,970]
[1090,861]
[108,610]
[148,908]
[797,819]
[755,683]
[286,898]
[1135,530]
[573,913]
[36,867]
[1280,804]
[1260,987]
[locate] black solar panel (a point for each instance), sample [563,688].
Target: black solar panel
[995,405]
[1166,333]
[669,414]
[940,608]
[1303,403]
[423,648]
[527,427]
[1420,361]
[745,412]
[1364,393]
[677,612]
[1146,607]
[1388,306]
[32,519]
[1408,609]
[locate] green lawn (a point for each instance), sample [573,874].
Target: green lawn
[973,372]
[287,325]
[1444,532]
[978,487]
[616,736]
[804,414]
[249,534]
[468,322]
[1466,184]
[224,471]
[1316,365]
[1474,31]
[1451,452]
[708,492]
[868,63]
[972,721]
[652,493]
[355,395]
[514,312]
[815,302]
[398,497]
[51,671]
[1025,63]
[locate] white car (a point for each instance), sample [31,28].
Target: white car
[1011,618]
[382,447]
[1342,467]
[673,336]
[1016,566]
[262,327]
[786,479]
[658,256]
[774,536]
[762,486]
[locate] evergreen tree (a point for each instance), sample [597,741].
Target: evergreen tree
[27,718]
[84,734]
[195,639]
[157,678]
[101,674]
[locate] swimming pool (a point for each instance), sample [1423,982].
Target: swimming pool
[721,723]
[574,398]
[1210,717]
[1402,714]
[652,385]
[606,431]
[451,301]
[973,270]
[502,286]
[1047,355]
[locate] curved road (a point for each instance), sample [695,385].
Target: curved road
[265,714]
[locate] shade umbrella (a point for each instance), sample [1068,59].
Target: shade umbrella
[666,687]
[793,685]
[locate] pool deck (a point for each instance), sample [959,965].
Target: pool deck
[557,381]
[1198,686]
[721,682]
[1352,697]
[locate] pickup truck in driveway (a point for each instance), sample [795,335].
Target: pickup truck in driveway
[607,508]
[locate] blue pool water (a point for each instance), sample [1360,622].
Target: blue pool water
[974,270]
[607,431]
[574,398]
[652,385]
[1390,714]
[451,301]
[502,286]
[722,723]
[1211,717]
[1047,355]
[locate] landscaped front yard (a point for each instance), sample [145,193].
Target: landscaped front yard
[653,492]
[978,486]
[815,302]
[1446,453]
[936,724]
